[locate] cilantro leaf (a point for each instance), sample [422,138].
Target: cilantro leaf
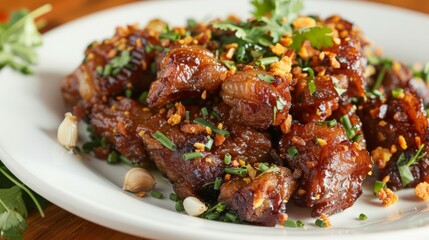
[18,38]
[318,37]
[277,9]
[12,224]
[12,198]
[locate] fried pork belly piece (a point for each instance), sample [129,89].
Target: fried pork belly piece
[189,177]
[399,76]
[186,71]
[399,125]
[332,168]
[319,105]
[118,121]
[259,199]
[346,57]
[110,68]
[256,102]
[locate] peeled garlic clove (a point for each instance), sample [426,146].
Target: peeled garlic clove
[68,132]
[193,206]
[138,180]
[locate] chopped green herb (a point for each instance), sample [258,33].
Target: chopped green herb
[143,96]
[215,129]
[263,167]
[337,88]
[121,60]
[280,103]
[89,146]
[241,171]
[212,216]
[128,93]
[192,155]
[187,115]
[216,115]
[266,78]
[112,158]
[267,61]
[126,161]
[356,137]
[293,224]
[419,155]
[426,72]
[99,70]
[173,197]
[116,71]
[205,112]
[169,34]
[107,70]
[387,64]
[191,23]
[292,152]
[156,194]
[311,83]
[320,223]
[179,206]
[209,143]
[241,55]
[103,142]
[231,217]
[227,158]
[378,185]
[317,36]
[396,93]
[274,114]
[161,138]
[228,63]
[363,217]
[404,166]
[345,121]
[217,183]
[330,123]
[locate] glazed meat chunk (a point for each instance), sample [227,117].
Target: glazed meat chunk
[109,69]
[259,199]
[318,105]
[186,71]
[117,122]
[330,166]
[400,126]
[190,177]
[255,102]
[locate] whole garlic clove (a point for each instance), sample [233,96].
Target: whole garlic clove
[138,180]
[68,131]
[193,206]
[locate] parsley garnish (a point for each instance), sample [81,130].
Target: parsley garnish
[266,78]
[404,166]
[18,38]
[13,208]
[318,36]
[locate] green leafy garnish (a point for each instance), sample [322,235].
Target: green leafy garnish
[266,78]
[268,26]
[18,39]
[318,36]
[13,207]
[404,166]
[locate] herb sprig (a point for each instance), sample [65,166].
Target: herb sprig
[19,37]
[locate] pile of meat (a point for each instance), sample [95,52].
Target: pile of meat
[314,135]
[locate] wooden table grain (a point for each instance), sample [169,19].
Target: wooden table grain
[58,223]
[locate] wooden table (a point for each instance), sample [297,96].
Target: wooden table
[58,223]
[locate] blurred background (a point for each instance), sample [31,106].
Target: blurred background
[67,10]
[60,224]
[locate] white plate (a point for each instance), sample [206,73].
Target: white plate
[32,108]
